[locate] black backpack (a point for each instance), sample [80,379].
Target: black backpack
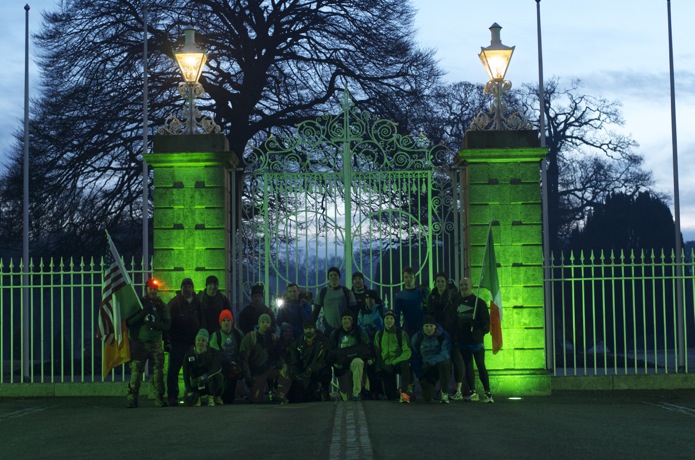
[346,291]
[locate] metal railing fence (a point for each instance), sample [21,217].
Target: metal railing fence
[617,313]
[48,325]
[611,314]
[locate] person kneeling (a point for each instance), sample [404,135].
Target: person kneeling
[259,358]
[349,352]
[431,359]
[202,372]
[311,374]
[393,357]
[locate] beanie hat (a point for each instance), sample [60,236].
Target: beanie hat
[372,294]
[428,319]
[264,315]
[357,275]
[186,281]
[226,314]
[257,289]
[286,327]
[389,313]
[203,333]
[334,269]
[212,279]
[309,322]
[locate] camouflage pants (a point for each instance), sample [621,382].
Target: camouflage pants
[140,353]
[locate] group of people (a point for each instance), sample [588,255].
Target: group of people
[344,336]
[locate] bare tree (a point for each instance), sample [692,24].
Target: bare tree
[587,160]
[272,63]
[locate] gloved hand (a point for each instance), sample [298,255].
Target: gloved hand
[304,377]
[149,319]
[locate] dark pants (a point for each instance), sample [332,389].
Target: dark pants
[387,377]
[475,352]
[457,361]
[311,389]
[431,374]
[140,352]
[260,384]
[231,377]
[178,350]
[212,387]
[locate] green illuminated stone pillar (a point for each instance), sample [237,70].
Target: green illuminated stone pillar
[501,180]
[191,209]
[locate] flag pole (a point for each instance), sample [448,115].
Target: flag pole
[547,300]
[145,140]
[680,321]
[25,185]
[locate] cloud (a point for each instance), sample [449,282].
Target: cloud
[643,85]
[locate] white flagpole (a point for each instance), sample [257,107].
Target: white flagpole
[680,321]
[145,175]
[540,74]
[547,299]
[25,220]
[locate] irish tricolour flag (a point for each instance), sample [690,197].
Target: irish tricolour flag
[490,281]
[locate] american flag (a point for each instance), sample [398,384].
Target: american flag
[109,311]
[118,299]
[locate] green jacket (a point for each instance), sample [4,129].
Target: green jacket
[389,350]
[147,325]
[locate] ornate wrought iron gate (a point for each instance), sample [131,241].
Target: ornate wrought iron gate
[347,191]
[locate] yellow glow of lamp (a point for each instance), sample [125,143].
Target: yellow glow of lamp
[496,57]
[191,57]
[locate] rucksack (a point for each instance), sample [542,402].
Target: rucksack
[399,337]
[237,336]
[322,295]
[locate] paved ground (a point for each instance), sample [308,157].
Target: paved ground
[570,425]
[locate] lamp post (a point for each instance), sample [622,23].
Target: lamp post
[191,59]
[495,59]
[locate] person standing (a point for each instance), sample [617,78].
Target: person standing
[335,300]
[411,302]
[184,311]
[472,322]
[145,328]
[439,304]
[248,318]
[212,302]
[370,316]
[359,290]
[294,310]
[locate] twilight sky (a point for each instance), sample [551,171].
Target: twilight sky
[618,48]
